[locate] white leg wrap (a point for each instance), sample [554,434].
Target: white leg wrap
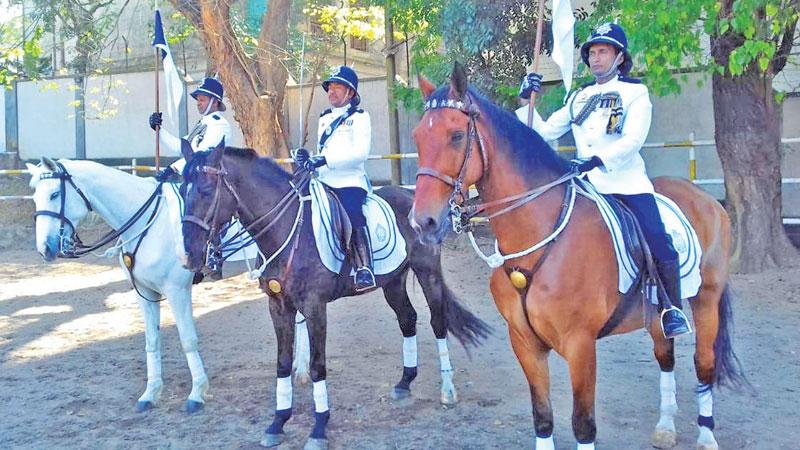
[410,351]
[320,396]
[669,401]
[283,393]
[195,366]
[444,354]
[705,401]
[154,365]
[586,446]
[545,443]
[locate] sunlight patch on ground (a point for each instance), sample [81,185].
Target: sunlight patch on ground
[119,320]
[53,283]
[42,310]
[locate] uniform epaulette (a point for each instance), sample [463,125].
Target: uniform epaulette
[327,111]
[216,116]
[591,83]
[630,80]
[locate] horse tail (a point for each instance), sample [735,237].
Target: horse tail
[727,367]
[461,323]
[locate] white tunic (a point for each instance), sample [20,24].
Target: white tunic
[623,170]
[346,150]
[208,133]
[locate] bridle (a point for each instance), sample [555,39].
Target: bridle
[210,221]
[66,244]
[461,215]
[460,218]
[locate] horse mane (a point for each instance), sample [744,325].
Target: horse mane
[265,169]
[525,146]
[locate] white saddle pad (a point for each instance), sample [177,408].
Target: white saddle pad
[684,239]
[388,245]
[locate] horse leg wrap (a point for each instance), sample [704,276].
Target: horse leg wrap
[320,424]
[281,417]
[705,406]
[409,374]
[544,443]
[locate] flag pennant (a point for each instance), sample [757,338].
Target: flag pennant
[564,40]
[172,80]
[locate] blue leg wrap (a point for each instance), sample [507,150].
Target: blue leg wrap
[409,374]
[320,423]
[281,417]
[707,422]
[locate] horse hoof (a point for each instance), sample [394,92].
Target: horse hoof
[400,393]
[663,438]
[142,406]
[193,406]
[272,440]
[316,444]
[449,398]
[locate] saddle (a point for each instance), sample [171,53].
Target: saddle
[333,230]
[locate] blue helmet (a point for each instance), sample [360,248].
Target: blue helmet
[346,76]
[613,34]
[211,87]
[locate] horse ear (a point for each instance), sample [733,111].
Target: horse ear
[216,154]
[49,164]
[458,80]
[425,86]
[186,149]
[34,171]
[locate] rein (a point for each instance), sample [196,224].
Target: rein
[461,214]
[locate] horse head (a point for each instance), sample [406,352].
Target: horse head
[210,203]
[451,154]
[60,207]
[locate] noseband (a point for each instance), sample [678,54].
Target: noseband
[66,244]
[460,221]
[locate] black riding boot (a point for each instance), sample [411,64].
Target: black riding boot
[673,320]
[362,251]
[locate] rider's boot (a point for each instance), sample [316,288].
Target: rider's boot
[673,321]
[364,278]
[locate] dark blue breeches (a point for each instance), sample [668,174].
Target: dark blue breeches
[353,199]
[644,208]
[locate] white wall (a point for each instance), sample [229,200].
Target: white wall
[46,120]
[2,122]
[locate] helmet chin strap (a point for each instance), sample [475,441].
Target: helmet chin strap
[209,106]
[607,75]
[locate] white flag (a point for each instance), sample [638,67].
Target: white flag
[563,39]
[172,79]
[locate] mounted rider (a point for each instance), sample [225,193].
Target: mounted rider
[344,138]
[610,119]
[209,131]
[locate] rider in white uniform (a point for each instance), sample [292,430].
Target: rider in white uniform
[610,120]
[344,140]
[209,131]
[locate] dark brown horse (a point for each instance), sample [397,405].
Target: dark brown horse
[570,290]
[232,181]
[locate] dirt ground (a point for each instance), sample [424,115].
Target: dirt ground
[72,365]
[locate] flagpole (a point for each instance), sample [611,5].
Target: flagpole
[536,50]
[158,128]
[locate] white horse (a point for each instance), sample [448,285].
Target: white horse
[155,268]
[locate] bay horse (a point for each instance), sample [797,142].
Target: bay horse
[228,182]
[150,241]
[570,291]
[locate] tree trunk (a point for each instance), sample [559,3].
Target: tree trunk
[256,86]
[748,134]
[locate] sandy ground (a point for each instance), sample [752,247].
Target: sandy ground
[72,365]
